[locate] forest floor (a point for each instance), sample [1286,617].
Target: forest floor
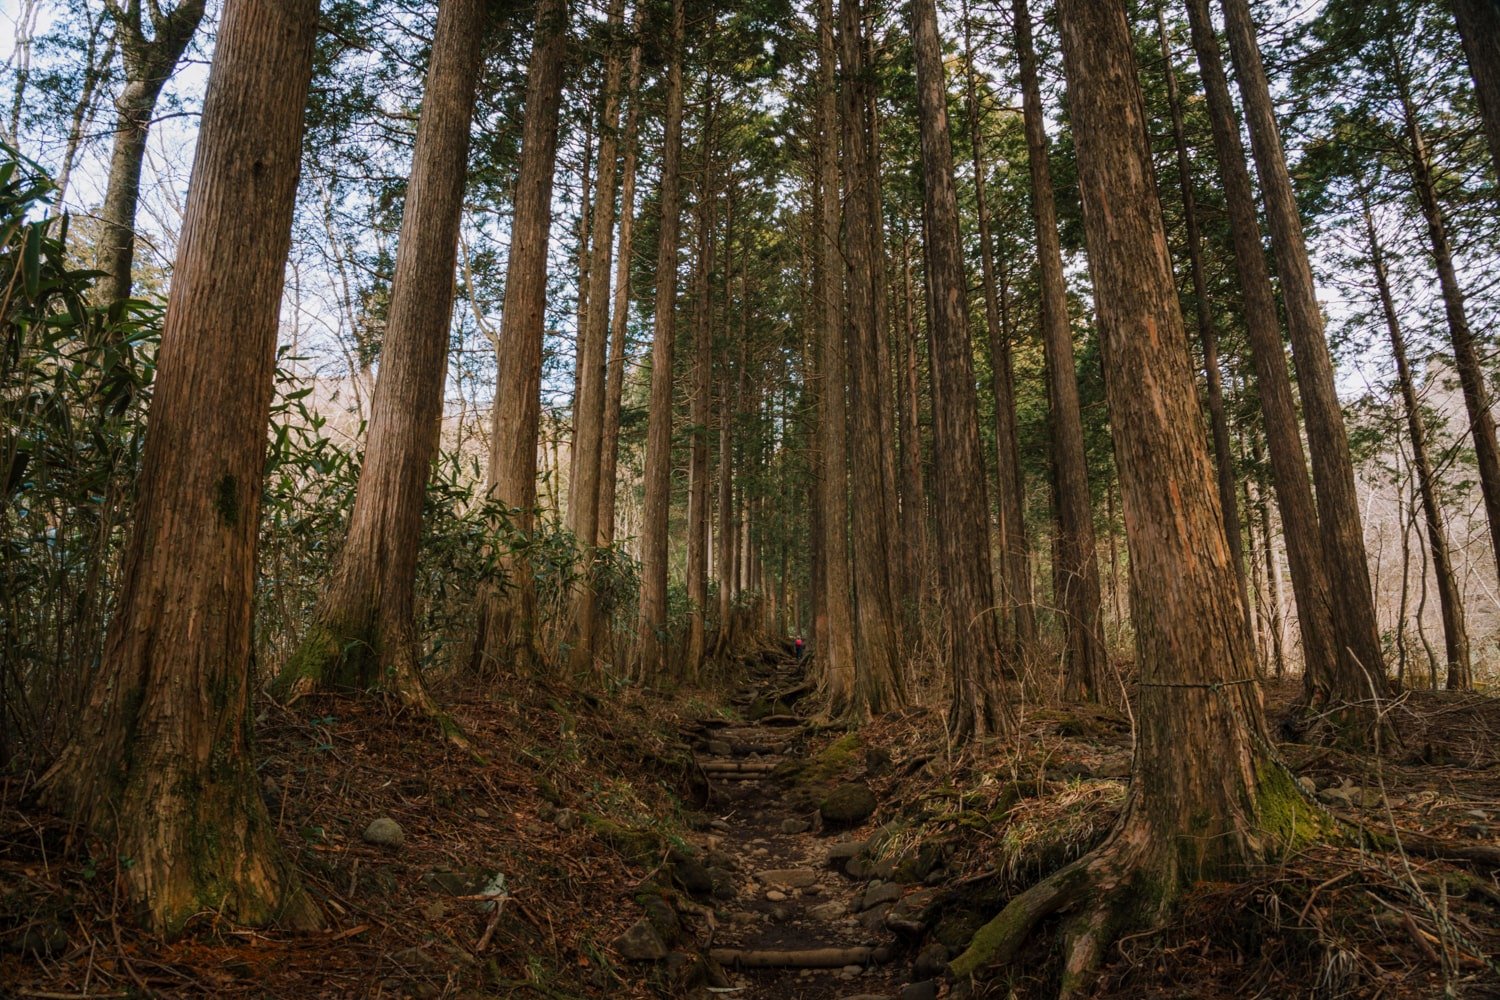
[721,841]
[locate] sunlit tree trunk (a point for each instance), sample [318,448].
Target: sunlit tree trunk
[589,402]
[915,536]
[658,478]
[1077,570]
[877,680]
[506,635]
[1471,375]
[1358,675]
[365,634]
[159,766]
[967,597]
[1015,560]
[1450,598]
[1294,497]
[700,403]
[1208,337]
[619,319]
[1204,799]
[837,652]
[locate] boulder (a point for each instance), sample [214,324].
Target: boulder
[384,832]
[848,804]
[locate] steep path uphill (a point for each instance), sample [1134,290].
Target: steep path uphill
[808,913]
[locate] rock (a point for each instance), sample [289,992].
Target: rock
[852,970]
[1337,795]
[957,928]
[1307,785]
[641,943]
[812,890]
[566,819]
[840,853]
[873,919]
[929,856]
[693,875]
[828,911]
[931,961]
[742,917]
[794,826]
[877,761]
[776,896]
[719,824]
[719,748]
[848,804]
[796,878]
[780,914]
[384,832]
[927,989]
[875,895]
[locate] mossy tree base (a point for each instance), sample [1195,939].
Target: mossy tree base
[355,658]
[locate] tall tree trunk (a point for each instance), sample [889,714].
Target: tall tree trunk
[1204,798]
[149,63]
[1077,561]
[658,479]
[1479,30]
[1471,375]
[838,653]
[588,406]
[1450,598]
[506,633]
[365,634]
[877,680]
[1358,674]
[915,537]
[1294,497]
[700,401]
[1015,561]
[1202,311]
[619,320]
[968,599]
[160,765]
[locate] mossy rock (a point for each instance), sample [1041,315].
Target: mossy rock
[631,842]
[928,858]
[833,761]
[848,804]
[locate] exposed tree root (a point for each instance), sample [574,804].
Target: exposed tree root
[809,958]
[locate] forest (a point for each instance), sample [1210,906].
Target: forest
[830,499]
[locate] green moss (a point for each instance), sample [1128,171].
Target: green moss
[832,761]
[1287,820]
[632,842]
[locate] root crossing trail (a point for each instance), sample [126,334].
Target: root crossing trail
[808,915]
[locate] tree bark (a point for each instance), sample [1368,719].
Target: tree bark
[160,765]
[915,536]
[877,682]
[975,666]
[589,401]
[1358,675]
[1471,375]
[1294,498]
[505,637]
[619,320]
[658,479]
[1450,598]
[838,651]
[700,396]
[1479,30]
[1204,799]
[365,633]
[1207,336]
[1015,559]
[149,63]
[1077,561]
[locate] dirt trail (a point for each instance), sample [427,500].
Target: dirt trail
[795,903]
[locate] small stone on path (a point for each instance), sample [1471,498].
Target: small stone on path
[384,832]
[795,826]
[794,877]
[848,804]
[776,896]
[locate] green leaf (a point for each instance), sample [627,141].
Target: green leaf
[31,260]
